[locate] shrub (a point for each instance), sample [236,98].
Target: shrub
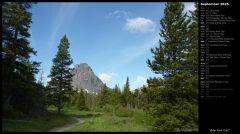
[124,112]
[107,108]
[167,123]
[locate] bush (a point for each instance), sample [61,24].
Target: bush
[188,114]
[10,112]
[83,108]
[107,108]
[124,112]
[167,123]
[183,116]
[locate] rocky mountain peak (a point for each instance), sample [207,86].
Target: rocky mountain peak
[84,77]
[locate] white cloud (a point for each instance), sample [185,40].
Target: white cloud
[106,77]
[139,82]
[189,6]
[48,79]
[71,66]
[140,24]
[43,77]
[118,14]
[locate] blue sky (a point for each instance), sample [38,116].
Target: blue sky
[113,38]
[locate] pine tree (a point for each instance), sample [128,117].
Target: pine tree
[16,51]
[136,98]
[61,77]
[192,57]
[116,94]
[103,97]
[74,98]
[90,100]
[144,97]
[127,93]
[17,69]
[81,100]
[115,98]
[169,57]
[173,99]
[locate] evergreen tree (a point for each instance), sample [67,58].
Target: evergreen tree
[144,97]
[16,51]
[81,100]
[74,98]
[90,100]
[17,69]
[136,98]
[169,58]
[192,57]
[173,99]
[61,77]
[116,96]
[127,93]
[103,97]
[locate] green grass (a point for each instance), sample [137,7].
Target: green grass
[81,114]
[125,120]
[139,121]
[124,112]
[41,124]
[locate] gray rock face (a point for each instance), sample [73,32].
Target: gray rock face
[84,77]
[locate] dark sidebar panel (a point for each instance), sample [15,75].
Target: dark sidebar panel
[218,63]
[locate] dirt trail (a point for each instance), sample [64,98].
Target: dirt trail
[63,128]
